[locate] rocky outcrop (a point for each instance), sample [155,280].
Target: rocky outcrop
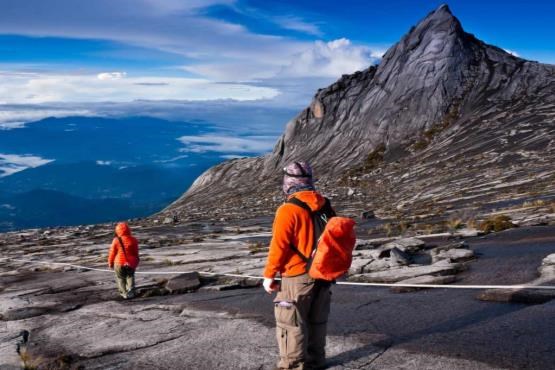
[547,269]
[438,121]
[75,318]
[183,283]
[528,296]
[394,262]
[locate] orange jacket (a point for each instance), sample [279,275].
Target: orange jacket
[131,255]
[292,226]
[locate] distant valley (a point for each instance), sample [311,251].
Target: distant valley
[81,170]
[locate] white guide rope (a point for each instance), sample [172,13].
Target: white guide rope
[544,287]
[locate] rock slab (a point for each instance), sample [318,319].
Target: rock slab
[183,283]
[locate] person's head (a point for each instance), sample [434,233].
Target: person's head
[122,229]
[297,177]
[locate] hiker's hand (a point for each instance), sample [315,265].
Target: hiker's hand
[111,267]
[270,285]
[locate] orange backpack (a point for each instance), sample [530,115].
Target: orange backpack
[334,239]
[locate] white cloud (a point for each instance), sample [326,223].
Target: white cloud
[288,22]
[174,159]
[319,59]
[179,6]
[265,117]
[104,163]
[111,76]
[513,53]
[12,163]
[216,51]
[227,144]
[11,125]
[13,117]
[174,26]
[330,59]
[297,24]
[378,53]
[35,88]
[213,48]
[233,71]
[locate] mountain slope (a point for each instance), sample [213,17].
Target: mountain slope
[443,118]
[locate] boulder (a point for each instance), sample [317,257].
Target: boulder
[367,215]
[358,264]
[377,265]
[455,255]
[408,245]
[220,287]
[362,244]
[547,268]
[527,296]
[183,283]
[250,283]
[367,253]
[549,260]
[395,255]
[406,272]
[456,265]
[424,279]
[398,258]
[456,245]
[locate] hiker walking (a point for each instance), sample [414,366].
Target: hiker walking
[124,259]
[302,303]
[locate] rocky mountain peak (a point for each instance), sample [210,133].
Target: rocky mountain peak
[418,81]
[436,88]
[439,28]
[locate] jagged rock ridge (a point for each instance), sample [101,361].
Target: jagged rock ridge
[439,97]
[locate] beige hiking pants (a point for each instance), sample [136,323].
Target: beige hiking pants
[302,307]
[125,280]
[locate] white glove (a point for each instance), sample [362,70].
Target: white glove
[269,285]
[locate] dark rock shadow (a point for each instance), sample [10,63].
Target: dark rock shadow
[443,327]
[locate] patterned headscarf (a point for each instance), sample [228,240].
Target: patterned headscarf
[297,177]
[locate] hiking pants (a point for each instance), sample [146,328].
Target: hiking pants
[125,280]
[302,306]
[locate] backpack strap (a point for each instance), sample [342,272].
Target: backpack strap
[122,247]
[300,203]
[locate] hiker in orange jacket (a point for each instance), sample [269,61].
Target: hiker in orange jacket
[302,303]
[124,259]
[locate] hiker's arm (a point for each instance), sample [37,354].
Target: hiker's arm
[282,237]
[112,254]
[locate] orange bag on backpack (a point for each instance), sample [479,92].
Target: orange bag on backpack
[334,253]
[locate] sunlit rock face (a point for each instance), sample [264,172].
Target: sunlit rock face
[442,112]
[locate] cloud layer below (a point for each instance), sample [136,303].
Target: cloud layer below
[228,144]
[14,117]
[12,163]
[34,88]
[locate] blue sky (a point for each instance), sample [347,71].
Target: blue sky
[71,57]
